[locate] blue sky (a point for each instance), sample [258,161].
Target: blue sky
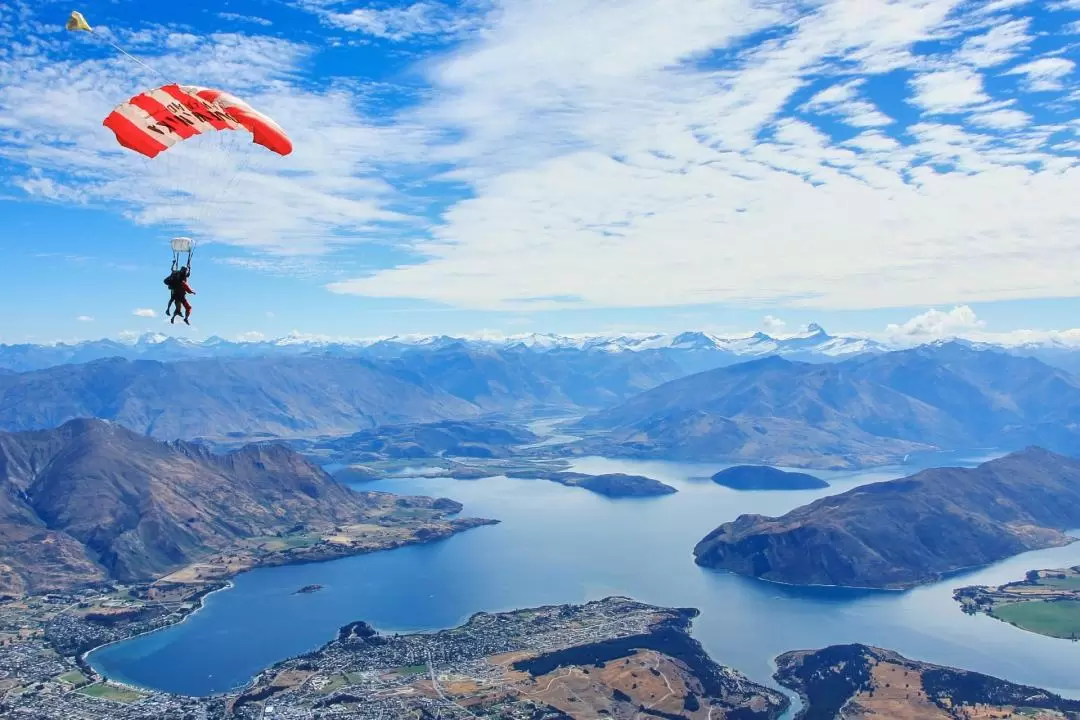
[569,166]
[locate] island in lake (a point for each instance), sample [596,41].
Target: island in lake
[857,681]
[1046,602]
[764,477]
[308,589]
[901,533]
[609,485]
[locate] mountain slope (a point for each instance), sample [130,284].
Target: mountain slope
[446,438]
[222,397]
[515,379]
[91,501]
[249,397]
[866,410]
[904,532]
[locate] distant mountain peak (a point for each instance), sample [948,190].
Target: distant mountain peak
[813,331]
[694,340]
[151,338]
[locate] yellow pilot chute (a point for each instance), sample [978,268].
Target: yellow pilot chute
[78,22]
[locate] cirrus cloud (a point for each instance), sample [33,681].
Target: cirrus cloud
[625,166]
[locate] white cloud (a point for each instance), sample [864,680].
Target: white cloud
[144,313]
[395,23]
[250,336]
[843,99]
[269,315]
[997,45]
[936,324]
[949,91]
[834,95]
[254,19]
[1045,74]
[1002,119]
[85,318]
[998,5]
[772,325]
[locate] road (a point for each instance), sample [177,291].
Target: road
[438,689]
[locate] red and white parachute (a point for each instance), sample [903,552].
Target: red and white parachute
[200,172]
[155,120]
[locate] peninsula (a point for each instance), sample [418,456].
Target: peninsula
[1046,602]
[846,682]
[901,533]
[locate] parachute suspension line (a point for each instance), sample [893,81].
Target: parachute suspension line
[78,23]
[137,60]
[181,245]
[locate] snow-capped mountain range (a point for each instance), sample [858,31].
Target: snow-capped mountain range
[814,341]
[813,344]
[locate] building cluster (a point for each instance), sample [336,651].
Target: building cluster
[366,678]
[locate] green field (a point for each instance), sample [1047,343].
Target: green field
[288,542]
[1057,619]
[412,670]
[73,678]
[1069,582]
[111,692]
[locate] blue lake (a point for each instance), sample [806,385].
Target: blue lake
[557,544]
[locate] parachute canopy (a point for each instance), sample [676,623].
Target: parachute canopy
[182,244]
[155,120]
[78,22]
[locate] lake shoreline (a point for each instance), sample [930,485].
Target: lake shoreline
[85,656]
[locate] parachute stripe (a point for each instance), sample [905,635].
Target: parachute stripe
[163,117]
[132,136]
[200,121]
[148,125]
[192,102]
